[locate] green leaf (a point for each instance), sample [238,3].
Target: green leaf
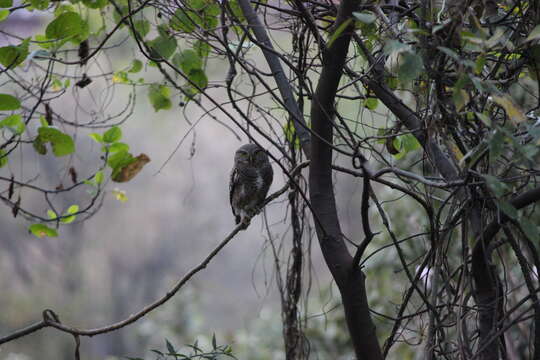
[68,26]
[451,53]
[6,3]
[409,142]
[96,137]
[187,60]
[8,102]
[460,97]
[210,21]
[142,27]
[411,66]
[71,210]
[112,135]
[371,103]
[136,66]
[14,123]
[392,82]
[119,13]
[3,158]
[185,20]
[535,34]
[382,132]
[39,146]
[404,144]
[118,146]
[52,215]
[484,118]
[199,78]
[95,4]
[212,9]
[162,46]
[43,42]
[119,160]
[497,186]
[479,64]
[170,347]
[337,33]
[98,177]
[367,17]
[159,96]
[62,144]
[237,10]
[4,13]
[41,230]
[202,48]
[120,77]
[290,134]
[13,55]
[196,4]
[40,4]
[64,7]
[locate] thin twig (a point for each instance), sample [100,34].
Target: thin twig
[50,319]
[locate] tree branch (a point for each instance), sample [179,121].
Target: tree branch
[279,75]
[488,291]
[350,279]
[50,319]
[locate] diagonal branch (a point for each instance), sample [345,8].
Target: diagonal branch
[50,319]
[279,75]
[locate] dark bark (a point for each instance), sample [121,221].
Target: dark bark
[488,291]
[293,336]
[350,279]
[279,75]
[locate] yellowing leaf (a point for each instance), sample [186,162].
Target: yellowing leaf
[461,98]
[120,195]
[457,153]
[120,77]
[512,110]
[71,210]
[129,171]
[41,230]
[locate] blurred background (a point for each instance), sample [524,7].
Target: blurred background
[130,253]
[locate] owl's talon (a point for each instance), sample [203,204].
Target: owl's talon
[245,222]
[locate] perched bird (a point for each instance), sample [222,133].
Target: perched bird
[251,177]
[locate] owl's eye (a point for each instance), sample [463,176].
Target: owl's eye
[259,157]
[242,156]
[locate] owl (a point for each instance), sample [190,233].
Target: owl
[251,177]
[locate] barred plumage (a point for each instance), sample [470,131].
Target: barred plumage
[251,177]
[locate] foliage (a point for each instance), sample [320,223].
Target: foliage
[439,103]
[196,353]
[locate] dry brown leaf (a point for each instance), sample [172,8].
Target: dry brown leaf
[129,171]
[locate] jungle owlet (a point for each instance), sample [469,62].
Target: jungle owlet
[251,177]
